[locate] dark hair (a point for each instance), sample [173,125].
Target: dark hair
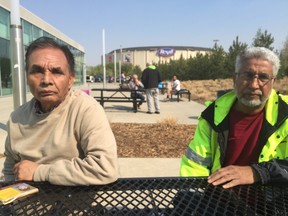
[46,42]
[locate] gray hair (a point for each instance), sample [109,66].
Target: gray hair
[257,52]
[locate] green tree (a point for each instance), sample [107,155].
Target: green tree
[178,68]
[234,50]
[126,68]
[217,61]
[198,67]
[94,70]
[137,70]
[165,70]
[283,71]
[263,39]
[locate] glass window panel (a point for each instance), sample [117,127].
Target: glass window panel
[4,24]
[5,68]
[27,32]
[37,32]
[46,34]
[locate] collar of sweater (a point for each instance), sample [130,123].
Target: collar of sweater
[38,110]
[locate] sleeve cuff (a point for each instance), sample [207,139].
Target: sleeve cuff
[42,173]
[262,172]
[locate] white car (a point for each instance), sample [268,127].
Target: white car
[89,78]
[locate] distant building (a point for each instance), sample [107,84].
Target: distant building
[141,55]
[32,28]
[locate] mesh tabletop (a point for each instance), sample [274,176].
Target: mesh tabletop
[151,196]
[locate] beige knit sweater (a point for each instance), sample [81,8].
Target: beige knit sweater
[73,144]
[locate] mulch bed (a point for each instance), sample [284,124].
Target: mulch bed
[152,140]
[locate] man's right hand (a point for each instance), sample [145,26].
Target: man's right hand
[231,176]
[24,170]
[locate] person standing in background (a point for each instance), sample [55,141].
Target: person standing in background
[122,78]
[150,79]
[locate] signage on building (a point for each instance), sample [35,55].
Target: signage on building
[165,52]
[128,58]
[110,58]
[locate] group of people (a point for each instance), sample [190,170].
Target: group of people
[150,82]
[241,138]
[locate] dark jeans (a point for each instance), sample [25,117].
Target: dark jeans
[138,95]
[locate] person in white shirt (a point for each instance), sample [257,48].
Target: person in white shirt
[175,86]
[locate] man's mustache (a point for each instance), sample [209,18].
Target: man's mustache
[257,92]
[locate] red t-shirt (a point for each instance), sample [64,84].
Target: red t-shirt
[242,146]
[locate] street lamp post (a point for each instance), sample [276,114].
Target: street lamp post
[215,42]
[120,62]
[104,60]
[17,57]
[115,67]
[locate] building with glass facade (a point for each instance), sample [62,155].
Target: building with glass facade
[32,28]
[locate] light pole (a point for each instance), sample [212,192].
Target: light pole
[215,42]
[115,67]
[17,57]
[120,61]
[104,59]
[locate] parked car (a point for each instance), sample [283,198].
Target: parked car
[98,78]
[89,78]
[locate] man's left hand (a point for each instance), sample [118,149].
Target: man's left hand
[231,176]
[24,170]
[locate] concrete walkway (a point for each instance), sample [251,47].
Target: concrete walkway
[184,112]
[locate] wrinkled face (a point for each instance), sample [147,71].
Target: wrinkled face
[135,77]
[253,83]
[48,77]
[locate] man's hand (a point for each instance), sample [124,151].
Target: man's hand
[231,176]
[24,170]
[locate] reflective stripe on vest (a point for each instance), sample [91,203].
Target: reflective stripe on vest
[191,155]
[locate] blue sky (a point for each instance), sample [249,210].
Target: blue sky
[132,23]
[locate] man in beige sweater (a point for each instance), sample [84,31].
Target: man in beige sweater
[61,136]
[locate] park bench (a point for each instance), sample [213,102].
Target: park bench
[182,92]
[118,95]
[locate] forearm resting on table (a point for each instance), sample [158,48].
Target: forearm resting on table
[89,171]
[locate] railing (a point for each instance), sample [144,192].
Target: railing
[151,196]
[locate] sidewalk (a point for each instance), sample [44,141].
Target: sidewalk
[184,111]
